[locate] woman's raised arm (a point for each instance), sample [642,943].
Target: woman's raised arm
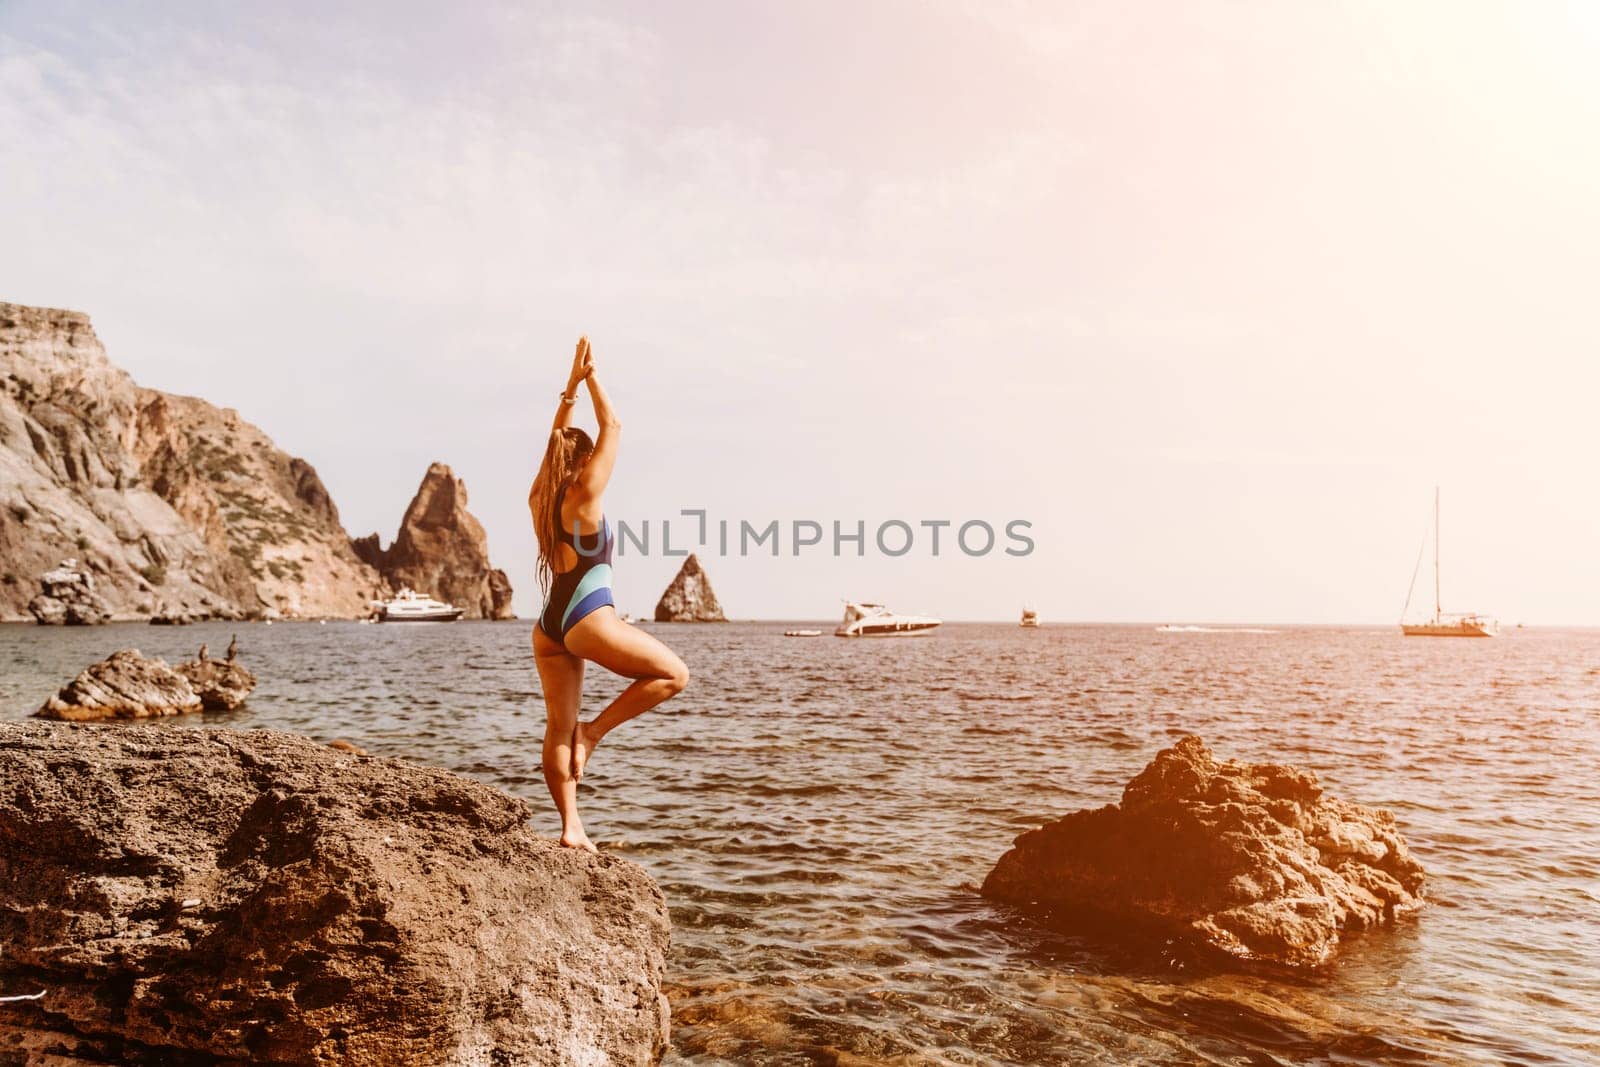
[582,364]
[591,482]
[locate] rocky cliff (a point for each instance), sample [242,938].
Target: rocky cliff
[441,550]
[263,514]
[689,597]
[210,896]
[172,504]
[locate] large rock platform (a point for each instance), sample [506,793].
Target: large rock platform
[186,896]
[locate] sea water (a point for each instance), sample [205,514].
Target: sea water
[820,813]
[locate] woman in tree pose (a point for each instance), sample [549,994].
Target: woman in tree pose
[579,621]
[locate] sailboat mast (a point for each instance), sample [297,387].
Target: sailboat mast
[1437,610]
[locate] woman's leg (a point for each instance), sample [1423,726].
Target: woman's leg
[561,678]
[622,649]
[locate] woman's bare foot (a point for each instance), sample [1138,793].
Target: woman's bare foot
[576,838]
[583,742]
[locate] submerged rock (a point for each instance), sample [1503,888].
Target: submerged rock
[67,598]
[689,597]
[1249,859]
[174,618]
[124,685]
[188,896]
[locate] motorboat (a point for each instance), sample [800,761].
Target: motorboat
[802,633]
[1443,623]
[1030,619]
[409,605]
[875,620]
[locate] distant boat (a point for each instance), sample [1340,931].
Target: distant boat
[1443,624]
[802,633]
[1030,619]
[875,620]
[409,605]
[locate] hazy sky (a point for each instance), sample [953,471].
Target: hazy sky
[1212,294]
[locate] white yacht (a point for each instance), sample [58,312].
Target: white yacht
[409,605]
[875,620]
[1030,619]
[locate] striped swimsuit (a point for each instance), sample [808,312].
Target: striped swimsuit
[583,589]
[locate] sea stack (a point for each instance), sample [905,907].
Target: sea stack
[689,597]
[209,896]
[442,550]
[1247,859]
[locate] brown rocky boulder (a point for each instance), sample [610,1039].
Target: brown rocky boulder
[124,685]
[221,685]
[67,598]
[1249,859]
[442,550]
[205,896]
[689,597]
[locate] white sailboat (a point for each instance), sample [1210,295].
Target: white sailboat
[1443,624]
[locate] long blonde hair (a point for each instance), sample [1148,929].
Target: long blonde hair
[565,452]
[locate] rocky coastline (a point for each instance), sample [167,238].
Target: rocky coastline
[122,503]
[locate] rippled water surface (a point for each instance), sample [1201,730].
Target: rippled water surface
[820,813]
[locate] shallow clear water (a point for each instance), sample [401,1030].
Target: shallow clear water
[819,813]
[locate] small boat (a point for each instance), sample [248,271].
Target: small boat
[1030,619]
[802,633]
[875,620]
[409,605]
[1443,623]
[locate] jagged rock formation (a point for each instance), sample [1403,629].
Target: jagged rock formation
[126,685]
[173,505]
[67,598]
[441,550]
[689,597]
[201,896]
[1249,859]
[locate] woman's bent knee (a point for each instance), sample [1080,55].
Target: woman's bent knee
[678,677]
